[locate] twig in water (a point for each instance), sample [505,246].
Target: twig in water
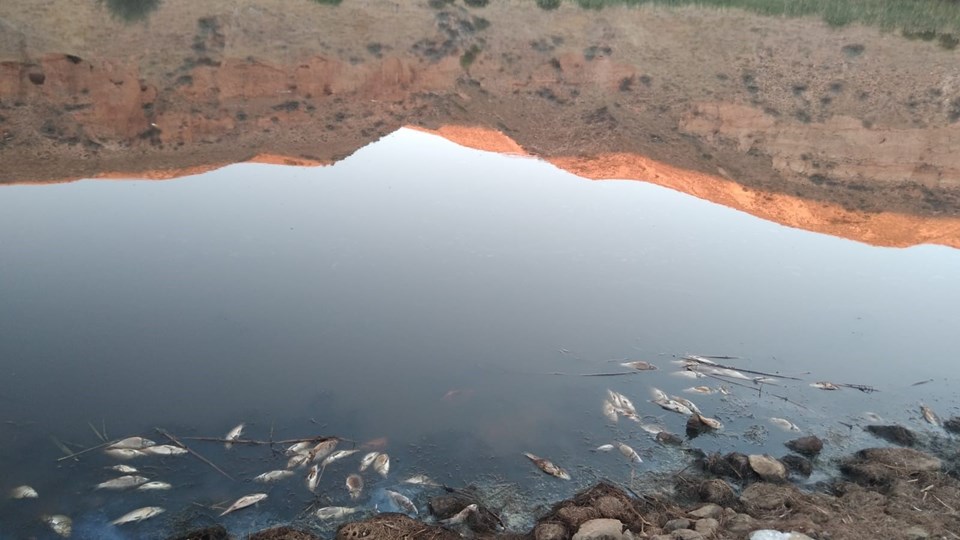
[762,373]
[84,451]
[97,433]
[609,374]
[188,449]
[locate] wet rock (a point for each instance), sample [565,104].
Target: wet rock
[216,532]
[609,507]
[550,531]
[761,497]
[716,491]
[447,506]
[706,526]
[808,446]
[282,533]
[483,520]
[732,465]
[768,468]
[895,434]
[916,533]
[686,534]
[674,524]
[696,426]
[574,516]
[797,465]
[600,529]
[668,439]
[740,523]
[952,425]
[707,511]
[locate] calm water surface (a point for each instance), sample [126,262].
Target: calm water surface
[439,297]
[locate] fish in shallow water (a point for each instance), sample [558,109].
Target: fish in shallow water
[548,466]
[313,478]
[154,486]
[382,465]
[421,480]
[123,453]
[824,385]
[139,514]
[338,455]
[322,449]
[133,443]
[354,486]
[165,450]
[603,448]
[245,501]
[930,416]
[124,482]
[460,516]
[784,424]
[402,502]
[60,524]
[233,435]
[629,453]
[23,492]
[639,365]
[123,469]
[272,476]
[335,512]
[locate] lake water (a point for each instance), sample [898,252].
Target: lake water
[439,297]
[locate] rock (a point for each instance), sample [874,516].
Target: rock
[716,491]
[732,465]
[600,529]
[686,534]
[668,439]
[808,446]
[609,507]
[797,465]
[906,459]
[550,531]
[447,506]
[761,497]
[216,532]
[707,511]
[740,523]
[707,526]
[674,524]
[895,434]
[952,425]
[282,533]
[696,426]
[916,533]
[662,537]
[574,516]
[768,468]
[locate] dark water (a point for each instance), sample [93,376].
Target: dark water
[349,300]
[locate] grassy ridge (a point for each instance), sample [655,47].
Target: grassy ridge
[910,15]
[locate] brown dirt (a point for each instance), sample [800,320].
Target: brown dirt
[771,116]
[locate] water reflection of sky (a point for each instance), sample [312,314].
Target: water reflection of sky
[356,296]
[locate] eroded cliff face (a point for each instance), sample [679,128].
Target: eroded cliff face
[839,131]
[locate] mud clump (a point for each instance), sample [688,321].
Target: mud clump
[895,434]
[390,525]
[808,446]
[283,533]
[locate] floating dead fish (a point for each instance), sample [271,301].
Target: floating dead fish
[298,461]
[784,424]
[824,385]
[301,447]
[124,482]
[154,486]
[338,455]
[335,512]
[629,453]
[133,443]
[367,460]
[421,480]
[123,453]
[272,476]
[609,411]
[60,524]
[603,448]
[930,416]
[245,501]
[354,485]
[711,423]
[313,478]
[724,390]
[548,467]
[639,365]
[461,516]
[403,502]
[764,380]
[165,450]
[658,395]
[322,449]
[686,403]
[621,403]
[699,390]
[687,374]
[139,514]
[652,429]
[872,417]
[698,424]
[123,469]
[673,405]
[697,359]
[233,435]
[23,492]
[382,465]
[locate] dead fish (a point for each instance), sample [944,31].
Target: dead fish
[689,374]
[686,403]
[824,385]
[421,480]
[609,411]
[139,514]
[298,461]
[699,390]
[639,365]
[784,424]
[165,450]
[124,482]
[272,476]
[354,485]
[339,454]
[930,416]
[123,469]
[382,465]
[673,405]
[403,502]
[301,447]
[323,449]
[603,448]
[724,390]
[461,516]
[23,492]
[133,443]
[123,453]
[872,417]
[658,395]
[621,403]
[60,524]
[233,435]
[335,512]
[652,429]
[548,467]
[629,453]
[313,478]
[711,423]
[245,501]
[154,486]
[368,460]
[697,359]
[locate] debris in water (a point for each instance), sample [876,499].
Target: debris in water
[23,492]
[354,485]
[335,512]
[245,501]
[824,385]
[784,424]
[548,467]
[139,514]
[124,482]
[233,435]
[60,524]
[403,502]
[272,476]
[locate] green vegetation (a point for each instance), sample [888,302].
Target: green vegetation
[910,15]
[131,10]
[467,58]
